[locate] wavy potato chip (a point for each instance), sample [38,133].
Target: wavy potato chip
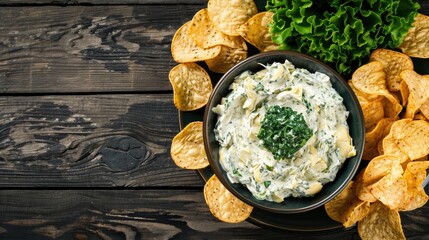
[187,148]
[184,49]
[415,174]
[393,64]
[191,86]
[256,31]
[205,35]
[373,137]
[418,87]
[227,58]
[381,223]
[372,113]
[391,148]
[379,167]
[416,42]
[346,207]
[412,137]
[391,190]
[364,97]
[228,16]
[370,78]
[405,93]
[361,189]
[223,204]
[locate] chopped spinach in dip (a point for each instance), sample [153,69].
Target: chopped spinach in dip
[282,132]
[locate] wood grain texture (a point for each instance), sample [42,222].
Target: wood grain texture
[126,214]
[88,48]
[143,214]
[89,141]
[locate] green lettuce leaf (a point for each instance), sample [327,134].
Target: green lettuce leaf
[342,33]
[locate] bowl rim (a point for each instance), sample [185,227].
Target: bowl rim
[218,170]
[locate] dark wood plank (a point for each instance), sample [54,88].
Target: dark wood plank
[143,214]
[88,48]
[87,141]
[128,214]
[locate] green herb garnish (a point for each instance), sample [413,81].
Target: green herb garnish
[341,33]
[283,132]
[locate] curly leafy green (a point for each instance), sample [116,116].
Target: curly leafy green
[341,33]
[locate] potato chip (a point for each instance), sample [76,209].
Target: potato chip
[393,64]
[191,86]
[223,204]
[184,49]
[405,93]
[205,35]
[256,31]
[391,109]
[227,58]
[187,147]
[412,137]
[424,109]
[346,207]
[415,174]
[379,167]
[228,16]
[416,42]
[374,136]
[361,189]
[372,113]
[370,78]
[381,223]
[391,148]
[418,86]
[364,97]
[419,199]
[391,190]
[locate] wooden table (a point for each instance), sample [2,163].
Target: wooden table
[86,123]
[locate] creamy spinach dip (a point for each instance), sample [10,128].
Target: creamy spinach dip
[282,132]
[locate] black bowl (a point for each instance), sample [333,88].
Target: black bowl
[355,122]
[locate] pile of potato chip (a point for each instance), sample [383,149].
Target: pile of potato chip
[394,100]
[217,37]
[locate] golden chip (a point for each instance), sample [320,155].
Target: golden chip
[415,174]
[418,86]
[223,204]
[391,109]
[361,189]
[187,148]
[364,97]
[370,78]
[205,35]
[391,148]
[372,113]
[416,42]
[381,223]
[191,86]
[393,64]
[184,49]
[227,58]
[256,31]
[373,137]
[391,190]
[405,93]
[424,109]
[412,137]
[379,167]
[228,16]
